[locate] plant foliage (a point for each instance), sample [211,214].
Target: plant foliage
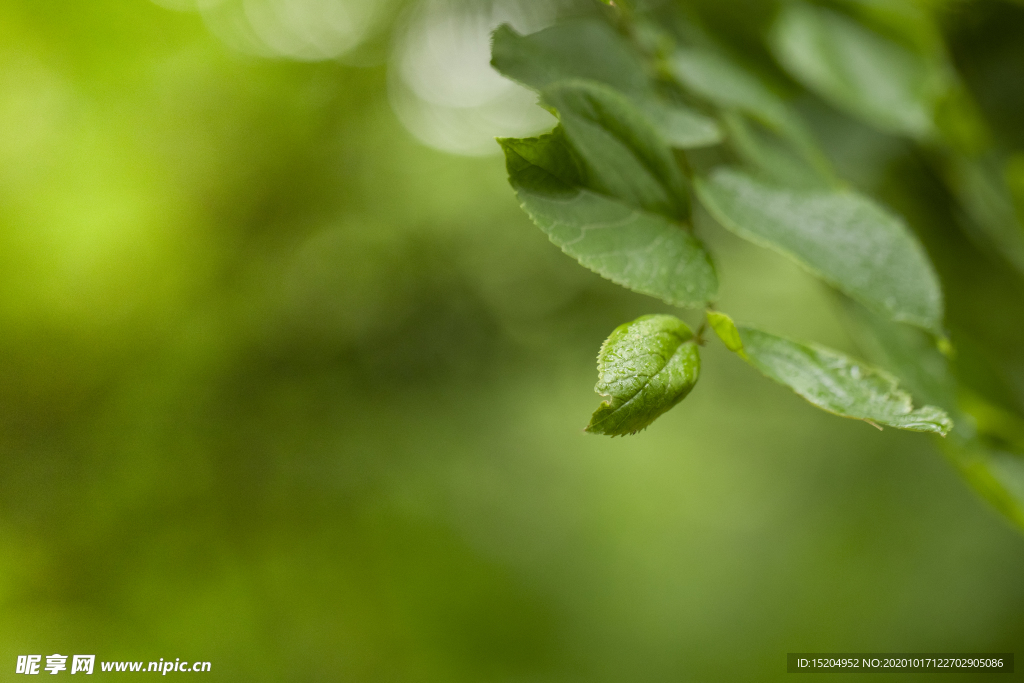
[657,113]
[644,368]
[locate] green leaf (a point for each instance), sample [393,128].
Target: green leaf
[680,126]
[859,70]
[774,157]
[714,76]
[543,165]
[997,475]
[910,353]
[983,191]
[589,49]
[622,154]
[719,79]
[1013,170]
[986,447]
[639,250]
[834,382]
[839,235]
[644,368]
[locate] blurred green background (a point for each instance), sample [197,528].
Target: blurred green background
[288,383]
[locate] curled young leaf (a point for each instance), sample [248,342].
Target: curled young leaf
[839,235]
[831,380]
[726,330]
[640,250]
[644,368]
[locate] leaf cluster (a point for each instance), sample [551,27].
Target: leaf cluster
[656,114]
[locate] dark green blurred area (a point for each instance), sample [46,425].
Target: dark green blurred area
[285,390]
